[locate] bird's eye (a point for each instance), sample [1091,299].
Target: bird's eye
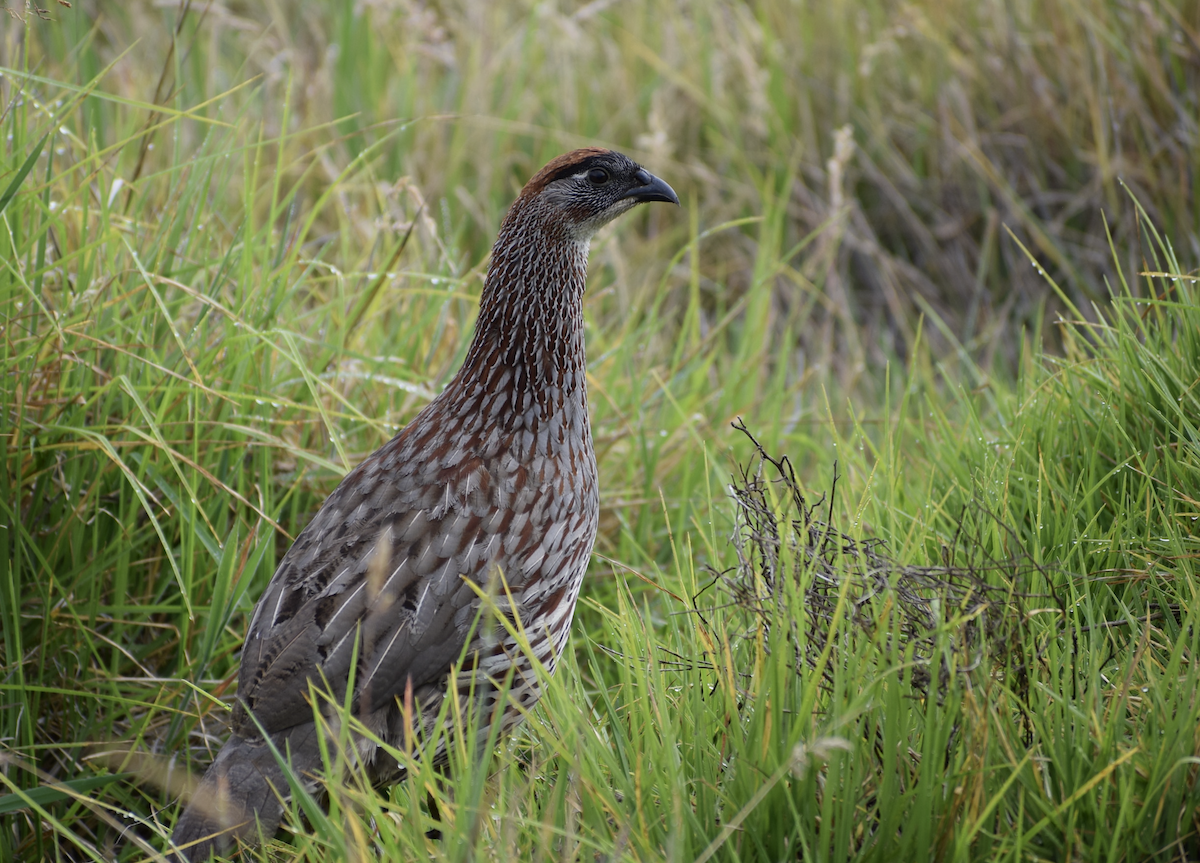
[597,176]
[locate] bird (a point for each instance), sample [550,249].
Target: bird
[489,494]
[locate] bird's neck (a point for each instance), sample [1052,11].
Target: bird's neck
[529,335]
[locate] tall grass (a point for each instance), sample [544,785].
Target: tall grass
[241,247]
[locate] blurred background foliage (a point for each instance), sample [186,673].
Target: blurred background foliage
[966,120]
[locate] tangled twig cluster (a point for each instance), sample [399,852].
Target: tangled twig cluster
[962,617]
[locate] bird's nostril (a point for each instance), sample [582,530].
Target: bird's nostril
[642,176]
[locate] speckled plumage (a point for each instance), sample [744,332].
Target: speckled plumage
[496,477]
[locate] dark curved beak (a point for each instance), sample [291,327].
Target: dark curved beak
[651,189]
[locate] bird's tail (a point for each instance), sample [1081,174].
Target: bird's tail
[241,796]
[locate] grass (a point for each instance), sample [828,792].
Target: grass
[241,247]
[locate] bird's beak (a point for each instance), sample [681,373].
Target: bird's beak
[651,189]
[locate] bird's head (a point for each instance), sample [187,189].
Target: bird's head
[585,189]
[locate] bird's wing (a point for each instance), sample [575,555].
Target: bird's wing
[379,574]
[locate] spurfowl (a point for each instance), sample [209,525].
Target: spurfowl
[491,489]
